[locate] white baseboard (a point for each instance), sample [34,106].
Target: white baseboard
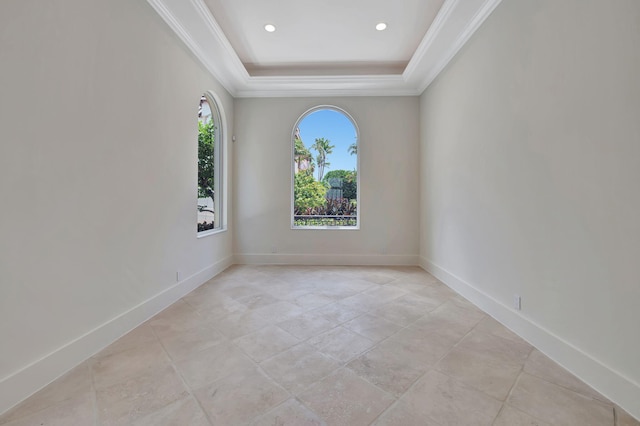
[27,381]
[602,378]
[326,259]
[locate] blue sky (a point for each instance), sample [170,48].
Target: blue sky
[336,127]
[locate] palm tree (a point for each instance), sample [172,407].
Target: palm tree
[353,148]
[323,147]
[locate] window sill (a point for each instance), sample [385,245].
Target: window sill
[211,232]
[329,228]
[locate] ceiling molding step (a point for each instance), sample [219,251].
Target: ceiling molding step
[192,28]
[195,25]
[222,39]
[463,20]
[429,38]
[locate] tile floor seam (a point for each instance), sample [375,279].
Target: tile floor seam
[190,390]
[95,409]
[573,391]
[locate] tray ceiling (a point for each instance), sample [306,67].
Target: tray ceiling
[324,47]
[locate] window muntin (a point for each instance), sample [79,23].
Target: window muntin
[325,180]
[209,165]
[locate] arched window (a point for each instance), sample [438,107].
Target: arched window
[209,165]
[325,183]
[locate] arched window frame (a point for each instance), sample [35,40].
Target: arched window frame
[292,151]
[218,117]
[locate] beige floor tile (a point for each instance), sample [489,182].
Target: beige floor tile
[341,344]
[363,302]
[211,364]
[400,414]
[391,369]
[311,301]
[445,401]
[395,364]
[184,412]
[406,309]
[426,289]
[75,411]
[241,323]
[266,342]
[486,362]
[541,366]
[290,413]
[299,367]
[139,336]
[448,319]
[386,293]
[238,398]
[307,325]
[425,347]
[278,312]
[345,399]
[491,326]
[73,384]
[338,290]
[257,300]
[339,312]
[125,402]
[211,299]
[372,327]
[289,291]
[557,405]
[121,366]
[378,277]
[625,419]
[245,290]
[496,348]
[458,314]
[509,416]
[480,372]
[181,344]
[178,317]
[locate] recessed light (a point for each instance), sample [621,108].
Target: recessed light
[381,26]
[270,28]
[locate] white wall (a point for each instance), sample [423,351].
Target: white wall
[530,165]
[388,150]
[98,131]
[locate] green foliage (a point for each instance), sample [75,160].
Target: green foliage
[206,160]
[353,148]
[323,147]
[301,150]
[349,182]
[301,153]
[308,193]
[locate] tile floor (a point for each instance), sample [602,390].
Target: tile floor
[292,345]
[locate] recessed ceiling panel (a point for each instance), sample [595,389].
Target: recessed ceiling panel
[324,36]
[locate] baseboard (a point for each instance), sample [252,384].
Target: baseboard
[326,259]
[27,381]
[602,378]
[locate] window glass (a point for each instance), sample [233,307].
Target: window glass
[325,170]
[209,154]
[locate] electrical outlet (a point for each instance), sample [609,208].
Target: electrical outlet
[178,276]
[517,302]
[274,249]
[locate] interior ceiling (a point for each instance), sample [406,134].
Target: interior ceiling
[324,36]
[324,47]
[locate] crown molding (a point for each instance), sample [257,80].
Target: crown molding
[194,24]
